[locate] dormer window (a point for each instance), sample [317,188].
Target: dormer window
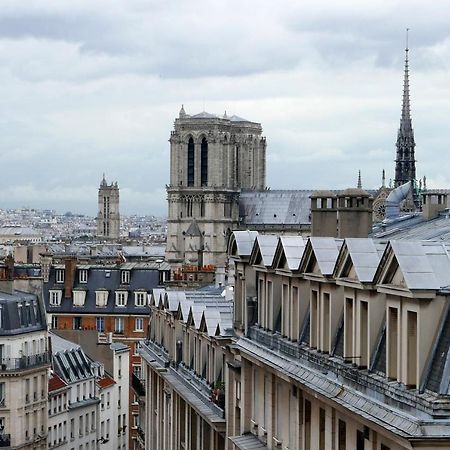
[139,298]
[60,275]
[125,277]
[55,297]
[101,298]
[121,298]
[79,297]
[83,276]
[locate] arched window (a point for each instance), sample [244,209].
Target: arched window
[204,162]
[191,162]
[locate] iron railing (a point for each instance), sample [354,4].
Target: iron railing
[24,362]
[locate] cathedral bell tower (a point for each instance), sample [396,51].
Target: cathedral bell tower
[211,159]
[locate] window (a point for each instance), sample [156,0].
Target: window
[139,324]
[307,428]
[72,429]
[77,323]
[392,343]
[204,162]
[313,319]
[60,275]
[55,297]
[119,324]
[83,275]
[102,402]
[411,373]
[121,298]
[139,298]
[359,440]
[125,277]
[342,435]
[101,298]
[108,400]
[79,297]
[100,324]
[137,370]
[2,394]
[348,330]
[321,429]
[191,162]
[54,322]
[364,334]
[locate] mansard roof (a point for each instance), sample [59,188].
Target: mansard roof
[20,313]
[69,360]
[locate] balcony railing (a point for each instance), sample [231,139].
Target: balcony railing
[141,433]
[5,440]
[137,385]
[24,362]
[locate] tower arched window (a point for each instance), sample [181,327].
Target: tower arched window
[191,162]
[204,162]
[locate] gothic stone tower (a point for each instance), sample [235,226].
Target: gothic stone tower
[211,159]
[405,163]
[108,217]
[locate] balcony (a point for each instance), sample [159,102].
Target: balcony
[137,385]
[24,362]
[5,440]
[141,434]
[359,379]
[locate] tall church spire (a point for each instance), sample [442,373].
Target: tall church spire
[405,163]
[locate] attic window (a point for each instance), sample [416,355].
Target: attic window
[274,215]
[125,277]
[107,273]
[60,275]
[83,276]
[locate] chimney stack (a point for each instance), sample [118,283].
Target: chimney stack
[69,276]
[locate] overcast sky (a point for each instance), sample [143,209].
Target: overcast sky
[88,87]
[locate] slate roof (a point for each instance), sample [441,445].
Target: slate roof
[365,257]
[21,313]
[293,247]
[98,279]
[69,360]
[326,251]
[277,207]
[244,241]
[266,244]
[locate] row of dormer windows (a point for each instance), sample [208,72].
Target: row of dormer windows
[83,276]
[348,326]
[101,298]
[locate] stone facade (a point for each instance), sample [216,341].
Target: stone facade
[108,217]
[211,159]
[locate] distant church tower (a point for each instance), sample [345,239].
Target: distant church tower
[405,163]
[211,159]
[108,217]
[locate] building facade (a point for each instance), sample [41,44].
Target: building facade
[343,344]
[185,359]
[108,217]
[211,159]
[24,363]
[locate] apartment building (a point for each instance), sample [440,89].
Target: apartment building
[112,300]
[345,345]
[24,362]
[185,369]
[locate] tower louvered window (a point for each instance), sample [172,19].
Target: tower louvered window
[204,162]
[191,162]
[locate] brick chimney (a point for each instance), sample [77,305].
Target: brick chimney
[70,265]
[7,275]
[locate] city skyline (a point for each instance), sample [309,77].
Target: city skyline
[325,82]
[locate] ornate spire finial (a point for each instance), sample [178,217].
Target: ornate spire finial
[383,179]
[182,112]
[103,183]
[424,183]
[359,180]
[225,115]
